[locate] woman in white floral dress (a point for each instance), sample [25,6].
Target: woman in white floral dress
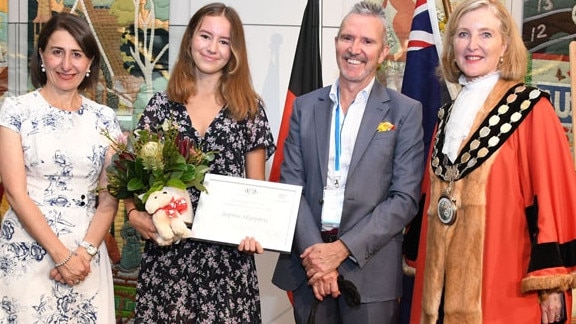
[54,267]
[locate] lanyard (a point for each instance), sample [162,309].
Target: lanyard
[337,142]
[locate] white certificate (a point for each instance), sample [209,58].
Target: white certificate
[234,208]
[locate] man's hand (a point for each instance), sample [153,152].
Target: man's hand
[322,258]
[327,285]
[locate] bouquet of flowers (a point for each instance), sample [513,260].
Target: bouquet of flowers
[148,162]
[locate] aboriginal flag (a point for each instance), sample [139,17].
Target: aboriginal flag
[306,76]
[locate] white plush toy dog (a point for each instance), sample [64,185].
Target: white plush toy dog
[171,210]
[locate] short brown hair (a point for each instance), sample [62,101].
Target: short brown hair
[366,8]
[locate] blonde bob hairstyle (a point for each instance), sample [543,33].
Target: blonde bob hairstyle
[514,61]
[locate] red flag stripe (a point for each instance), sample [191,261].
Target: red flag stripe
[415,45]
[282,134]
[306,76]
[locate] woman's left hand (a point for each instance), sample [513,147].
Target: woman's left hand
[250,245]
[72,272]
[552,308]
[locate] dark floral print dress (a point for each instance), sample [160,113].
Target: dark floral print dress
[192,281]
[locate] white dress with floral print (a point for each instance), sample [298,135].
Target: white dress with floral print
[63,156]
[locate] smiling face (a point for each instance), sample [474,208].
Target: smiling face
[210,46]
[65,62]
[360,48]
[478,43]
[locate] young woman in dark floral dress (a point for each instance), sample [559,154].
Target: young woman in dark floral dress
[211,97]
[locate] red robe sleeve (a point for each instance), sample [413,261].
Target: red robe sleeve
[549,179]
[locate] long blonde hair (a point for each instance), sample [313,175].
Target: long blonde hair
[514,60]
[235,84]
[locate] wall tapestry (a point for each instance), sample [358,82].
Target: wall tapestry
[548,27]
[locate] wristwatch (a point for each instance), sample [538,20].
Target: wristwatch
[90,249]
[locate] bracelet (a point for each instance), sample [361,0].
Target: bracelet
[57,265]
[128,213]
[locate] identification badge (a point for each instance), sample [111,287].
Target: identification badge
[332,206]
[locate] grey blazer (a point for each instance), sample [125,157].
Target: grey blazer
[381,195]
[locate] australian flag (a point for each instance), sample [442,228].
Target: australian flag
[421,80]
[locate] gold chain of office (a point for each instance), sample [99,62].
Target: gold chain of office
[492,133]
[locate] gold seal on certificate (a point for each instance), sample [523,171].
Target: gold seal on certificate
[446,210]
[233,208]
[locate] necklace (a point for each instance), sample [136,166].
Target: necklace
[500,123]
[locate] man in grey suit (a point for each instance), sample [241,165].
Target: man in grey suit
[357,150]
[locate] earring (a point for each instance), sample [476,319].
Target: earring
[42,68]
[501,59]
[88,73]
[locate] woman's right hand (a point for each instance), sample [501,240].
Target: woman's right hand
[250,245]
[552,307]
[142,222]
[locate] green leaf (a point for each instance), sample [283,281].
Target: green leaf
[138,168]
[180,159]
[176,167]
[135,184]
[122,193]
[189,174]
[145,197]
[151,190]
[175,175]
[177,183]
[138,202]
[157,185]
[210,156]
[200,187]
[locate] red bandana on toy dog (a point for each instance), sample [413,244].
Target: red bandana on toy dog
[174,207]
